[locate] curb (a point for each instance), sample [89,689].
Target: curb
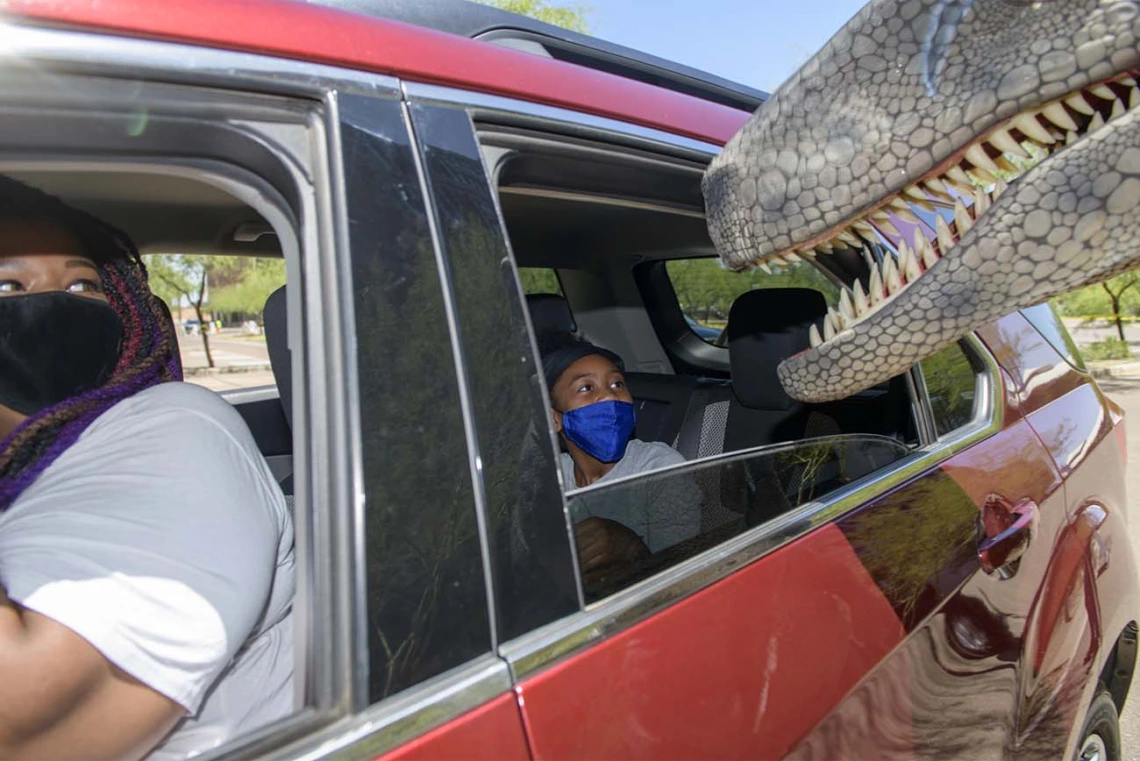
[227,370]
[1115,371]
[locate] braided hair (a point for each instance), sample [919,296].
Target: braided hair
[148,355]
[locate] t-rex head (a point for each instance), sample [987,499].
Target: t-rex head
[915,100]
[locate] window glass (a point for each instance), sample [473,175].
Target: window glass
[681,511]
[705,290]
[1047,321]
[216,303]
[951,384]
[426,583]
[539,280]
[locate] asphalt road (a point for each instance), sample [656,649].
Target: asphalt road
[1126,393]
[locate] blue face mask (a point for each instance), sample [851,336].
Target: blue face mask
[601,429]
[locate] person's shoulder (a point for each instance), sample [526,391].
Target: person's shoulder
[654,453]
[177,399]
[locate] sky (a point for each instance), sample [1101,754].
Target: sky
[754,42]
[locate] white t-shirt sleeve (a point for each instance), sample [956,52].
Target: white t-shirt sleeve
[154,537]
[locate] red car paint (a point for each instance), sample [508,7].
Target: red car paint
[312,33]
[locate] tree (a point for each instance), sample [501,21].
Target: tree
[178,277]
[573,17]
[1116,288]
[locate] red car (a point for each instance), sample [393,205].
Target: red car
[935,568]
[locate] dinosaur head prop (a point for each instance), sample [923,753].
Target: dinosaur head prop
[922,102]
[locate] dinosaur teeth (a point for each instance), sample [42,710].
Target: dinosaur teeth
[958,177]
[1104,92]
[918,197]
[1078,103]
[875,287]
[908,264]
[962,220]
[845,309]
[892,281]
[1096,122]
[1134,97]
[1028,125]
[1005,143]
[903,211]
[828,326]
[764,268]
[976,155]
[862,305]
[1056,113]
[945,237]
[1118,109]
[814,338]
[981,202]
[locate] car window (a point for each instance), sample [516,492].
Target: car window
[951,386]
[705,289]
[216,303]
[539,280]
[681,511]
[1047,321]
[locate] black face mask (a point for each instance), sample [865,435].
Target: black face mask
[53,346]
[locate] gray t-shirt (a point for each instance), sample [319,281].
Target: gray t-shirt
[662,511]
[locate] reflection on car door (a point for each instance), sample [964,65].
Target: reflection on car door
[878,635]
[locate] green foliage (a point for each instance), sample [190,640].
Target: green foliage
[950,383]
[255,280]
[232,285]
[1094,300]
[1109,348]
[705,290]
[539,280]
[573,17]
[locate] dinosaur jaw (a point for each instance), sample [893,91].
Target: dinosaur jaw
[1070,220]
[1051,128]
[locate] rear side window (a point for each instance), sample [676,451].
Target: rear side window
[951,385]
[1047,321]
[539,280]
[705,289]
[684,510]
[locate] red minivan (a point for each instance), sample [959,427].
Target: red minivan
[937,567]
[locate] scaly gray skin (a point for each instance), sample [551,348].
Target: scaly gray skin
[899,94]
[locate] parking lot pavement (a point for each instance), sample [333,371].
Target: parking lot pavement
[1126,393]
[229,352]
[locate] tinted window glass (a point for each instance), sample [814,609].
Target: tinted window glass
[705,289]
[951,384]
[427,595]
[698,505]
[539,280]
[1047,321]
[533,560]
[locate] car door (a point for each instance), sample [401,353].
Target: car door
[860,626]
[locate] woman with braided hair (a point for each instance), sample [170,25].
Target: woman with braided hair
[146,552]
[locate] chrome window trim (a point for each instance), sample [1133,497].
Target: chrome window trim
[504,110]
[110,55]
[409,714]
[238,396]
[537,650]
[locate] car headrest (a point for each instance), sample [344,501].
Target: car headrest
[277,342]
[549,312]
[765,327]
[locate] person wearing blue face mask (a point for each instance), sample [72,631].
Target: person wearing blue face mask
[593,414]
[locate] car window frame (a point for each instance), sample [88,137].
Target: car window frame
[326,400]
[551,644]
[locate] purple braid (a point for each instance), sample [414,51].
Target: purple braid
[148,355]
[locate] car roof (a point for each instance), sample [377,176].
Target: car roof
[319,34]
[482,22]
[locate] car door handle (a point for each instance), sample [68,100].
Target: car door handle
[1005,531]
